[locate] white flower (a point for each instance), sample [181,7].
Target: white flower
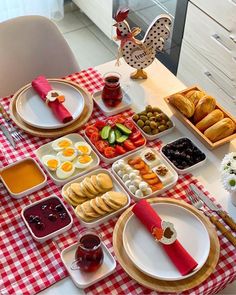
[228,163]
[229,182]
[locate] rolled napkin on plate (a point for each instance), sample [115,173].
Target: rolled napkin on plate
[44,89]
[182,260]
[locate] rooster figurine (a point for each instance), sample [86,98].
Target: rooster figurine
[140,54]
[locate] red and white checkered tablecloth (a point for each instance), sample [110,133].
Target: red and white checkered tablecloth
[28,267]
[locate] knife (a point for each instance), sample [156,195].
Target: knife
[8,135]
[224,215]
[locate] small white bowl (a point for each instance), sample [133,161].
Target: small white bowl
[116,187]
[30,190]
[186,170]
[85,279]
[53,234]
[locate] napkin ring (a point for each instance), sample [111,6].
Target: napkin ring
[55,95]
[166,234]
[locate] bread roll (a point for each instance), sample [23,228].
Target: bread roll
[221,129]
[184,105]
[212,118]
[195,96]
[205,105]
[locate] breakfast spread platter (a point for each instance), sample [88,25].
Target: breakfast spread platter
[93,195]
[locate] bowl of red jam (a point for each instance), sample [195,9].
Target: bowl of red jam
[47,218]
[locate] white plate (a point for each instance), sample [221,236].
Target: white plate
[46,149]
[85,279]
[149,256]
[34,111]
[124,105]
[116,187]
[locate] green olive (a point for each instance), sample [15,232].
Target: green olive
[163,122]
[147,123]
[136,117]
[140,123]
[161,128]
[153,125]
[169,124]
[143,118]
[152,119]
[155,131]
[148,108]
[165,117]
[149,114]
[147,129]
[159,117]
[156,109]
[143,113]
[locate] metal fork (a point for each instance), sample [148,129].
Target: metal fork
[14,132]
[199,204]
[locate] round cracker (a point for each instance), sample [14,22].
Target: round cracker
[95,184]
[87,183]
[69,201]
[101,204]
[77,190]
[80,214]
[117,198]
[85,191]
[75,198]
[88,210]
[94,206]
[104,181]
[106,199]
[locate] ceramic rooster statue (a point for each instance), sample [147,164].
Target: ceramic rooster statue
[140,54]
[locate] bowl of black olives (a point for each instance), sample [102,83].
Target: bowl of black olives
[153,123]
[183,154]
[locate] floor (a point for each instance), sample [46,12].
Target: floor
[90,45]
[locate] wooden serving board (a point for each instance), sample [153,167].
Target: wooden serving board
[161,285]
[209,144]
[51,133]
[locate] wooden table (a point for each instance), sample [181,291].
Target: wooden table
[160,83]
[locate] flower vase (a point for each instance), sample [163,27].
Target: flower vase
[233,197]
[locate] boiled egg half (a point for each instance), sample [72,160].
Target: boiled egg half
[67,154]
[82,148]
[65,170]
[83,161]
[51,162]
[61,143]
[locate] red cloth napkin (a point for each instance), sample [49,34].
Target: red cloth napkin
[177,254]
[42,87]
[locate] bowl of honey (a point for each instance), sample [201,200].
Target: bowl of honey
[23,177]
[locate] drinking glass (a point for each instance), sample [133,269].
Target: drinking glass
[112,93]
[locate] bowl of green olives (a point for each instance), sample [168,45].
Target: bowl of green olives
[153,122]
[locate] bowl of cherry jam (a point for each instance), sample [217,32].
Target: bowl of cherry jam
[46,218]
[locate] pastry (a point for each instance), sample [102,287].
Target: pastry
[97,209]
[76,189]
[95,183]
[69,201]
[183,104]
[104,181]
[195,96]
[107,200]
[117,198]
[205,105]
[212,118]
[221,129]
[89,186]
[101,204]
[75,198]
[80,213]
[88,210]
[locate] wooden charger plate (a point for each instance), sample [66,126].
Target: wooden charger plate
[50,133]
[160,285]
[207,142]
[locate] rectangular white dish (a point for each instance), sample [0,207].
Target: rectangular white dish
[112,160]
[47,149]
[86,279]
[116,187]
[124,105]
[162,161]
[187,170]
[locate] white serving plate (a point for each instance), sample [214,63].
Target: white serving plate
[116,187]
[46,149]
[163,161]
[153,137]
[124,105]
[108,160]
[53,234]
[149,256]
[28,191]
[85,279]
[189,169]
[35,112]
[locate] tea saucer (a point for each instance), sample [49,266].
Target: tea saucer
[85,279]
[124,105]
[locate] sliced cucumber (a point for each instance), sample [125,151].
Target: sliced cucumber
[122,138]
[112,137]
[117,133]
[105,132]
[123,128]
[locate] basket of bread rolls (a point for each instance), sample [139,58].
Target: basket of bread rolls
[201,113]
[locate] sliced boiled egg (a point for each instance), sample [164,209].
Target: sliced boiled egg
[51,162]
[82,148]
[83,161]
[65,170]
[67,154]
[61,143]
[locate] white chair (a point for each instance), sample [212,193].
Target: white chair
[32,46]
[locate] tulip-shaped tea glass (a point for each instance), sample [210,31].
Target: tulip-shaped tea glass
[112,93]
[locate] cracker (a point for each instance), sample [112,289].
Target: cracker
[75,198]
[117,198]
[106,199]
[88,210]
[104,181]
[101,204]
[76,189]
[80,214]
[95,184]
[94,206]
[87,183]
[69,201]
[85,191]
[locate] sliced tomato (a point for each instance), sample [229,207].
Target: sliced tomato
[100,124]
[89,130]
[139,142]
[129,145]
[120,150]
[116,119]
[101,145]
[110,152]
[135,136]
[129,124]
[94,137]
